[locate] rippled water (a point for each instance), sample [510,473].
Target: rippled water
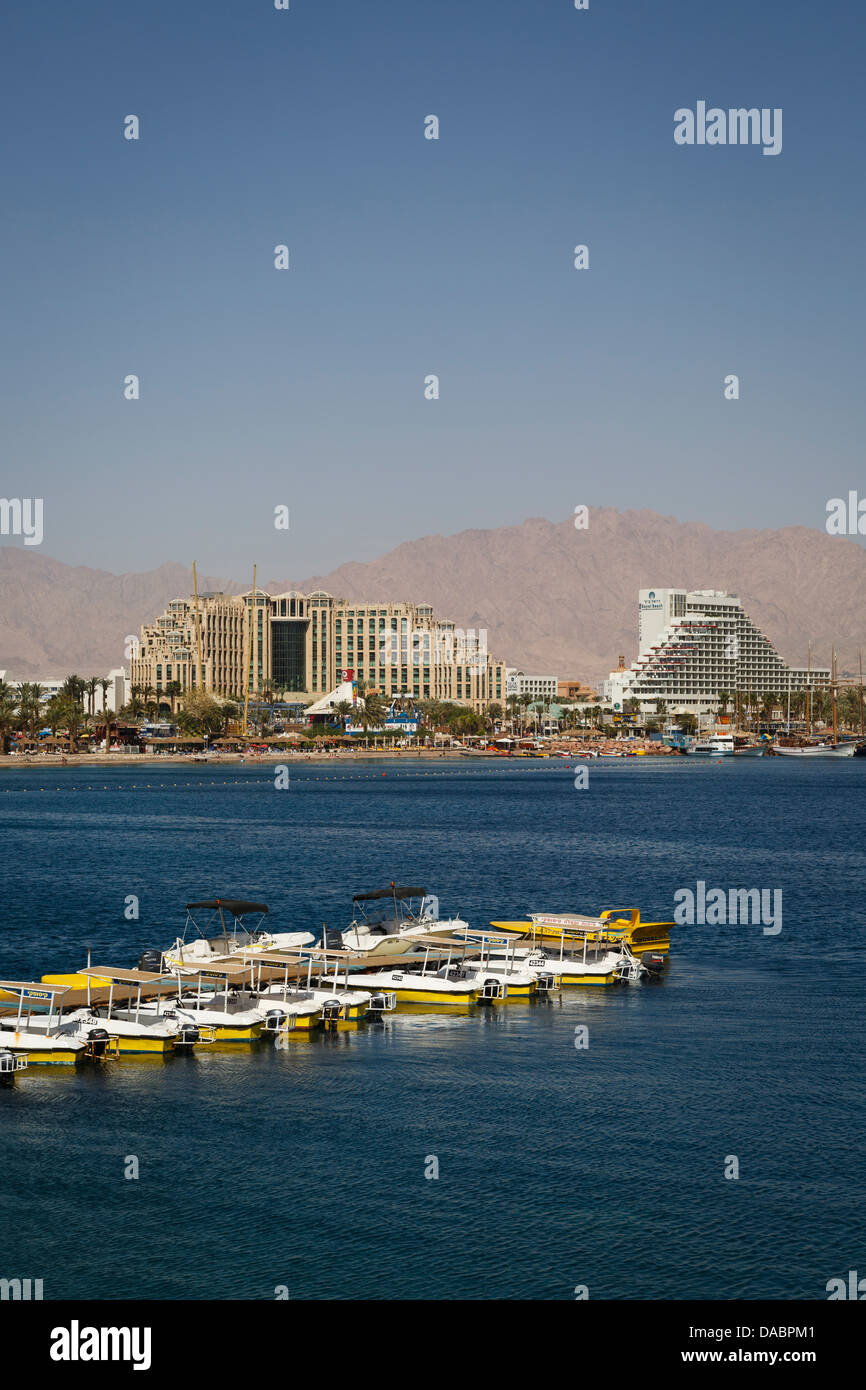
[304,1166]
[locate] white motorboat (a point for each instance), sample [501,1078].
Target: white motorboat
[124,1022]
[212,1004]
[36,1037]
[306,1004]
[425,983]
[714,746]
[390,921]
[597,963]
[197,947]
[817,750]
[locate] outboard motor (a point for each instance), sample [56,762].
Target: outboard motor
[151,961]
[187,1036]
[97,1043]
[332,1010]
[333,940]
[382,1003]
[492,989]
[275,1020]
[653,964]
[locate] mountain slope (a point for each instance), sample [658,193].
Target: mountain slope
[554,600]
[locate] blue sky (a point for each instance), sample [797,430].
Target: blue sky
[408,257]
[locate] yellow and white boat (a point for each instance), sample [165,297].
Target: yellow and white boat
[289,1006]
[613,925]
[213,1004]
[423,982]
[595,964]
[498,979]
[324,996]
[37,1040]
[134,1033]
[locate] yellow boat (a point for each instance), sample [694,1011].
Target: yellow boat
[641,937]
[614,924]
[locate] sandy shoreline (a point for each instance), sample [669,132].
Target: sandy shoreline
[151,760]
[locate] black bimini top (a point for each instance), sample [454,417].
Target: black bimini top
[392,892]
[235,906]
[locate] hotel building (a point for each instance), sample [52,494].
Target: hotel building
[308,644]
[693,644]
[114,698]
[538,687]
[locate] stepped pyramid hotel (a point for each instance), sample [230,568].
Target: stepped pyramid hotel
[694,644]
[308,644]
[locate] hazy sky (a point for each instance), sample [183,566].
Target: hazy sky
[409,256]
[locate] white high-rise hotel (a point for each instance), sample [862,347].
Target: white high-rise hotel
[694,644]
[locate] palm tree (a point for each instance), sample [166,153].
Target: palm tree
[768,703]
[525,702]
[72,694]
[344,709]
[173,690]
[92,685]
[724,698]
[30,706]
[373,711]
[8,712]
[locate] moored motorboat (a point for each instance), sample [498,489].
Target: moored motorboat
[390,921]
[612,925]
[597,963]
[123,1020]
[307,1003]
[816,750]
[37,1039]
[214,1002]
[419,982]
[713,746]
[196,946]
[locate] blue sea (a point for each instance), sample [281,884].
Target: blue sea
[302,1169]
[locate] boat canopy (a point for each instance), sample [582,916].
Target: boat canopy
[126,977]
[567,921]
[393,892]
[291,955]
[32,988]
[236,906]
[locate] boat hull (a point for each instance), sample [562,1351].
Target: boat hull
[842,750]
[42,1052]
[139,1046]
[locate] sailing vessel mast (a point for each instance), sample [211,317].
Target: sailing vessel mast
[833,693]
[197,629]
[249,671]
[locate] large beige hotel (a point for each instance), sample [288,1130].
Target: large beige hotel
[305,645]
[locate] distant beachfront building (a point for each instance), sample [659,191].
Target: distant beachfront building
[694,644]
[308,644]
[114,698]
[537,687]
[575,689]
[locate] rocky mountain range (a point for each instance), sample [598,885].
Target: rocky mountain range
[553,599]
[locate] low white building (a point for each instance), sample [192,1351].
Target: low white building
[537,687]
[114,697]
